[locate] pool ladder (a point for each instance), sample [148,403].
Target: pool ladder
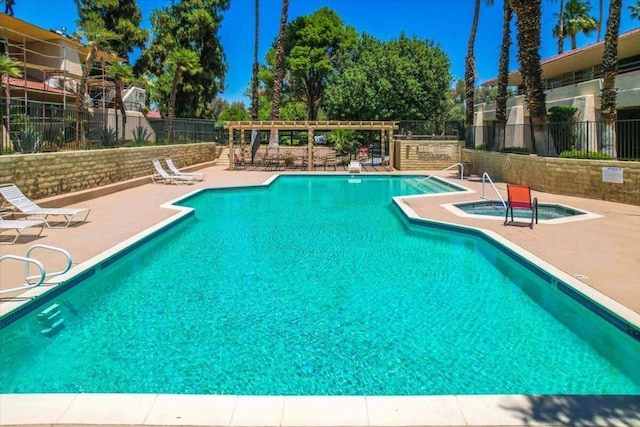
[444,170]
[33,281]
[485,176]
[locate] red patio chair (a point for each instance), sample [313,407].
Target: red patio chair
[519,197]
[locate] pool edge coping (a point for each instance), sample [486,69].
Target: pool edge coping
[239,410]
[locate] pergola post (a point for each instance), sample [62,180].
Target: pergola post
[383,135]
[310,148]
[230,148]
[242,145]
[392,150]
[382,151]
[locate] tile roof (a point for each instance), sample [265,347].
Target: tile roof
[33,85]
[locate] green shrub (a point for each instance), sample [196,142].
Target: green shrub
[289,160]
[561,114]
[583,154]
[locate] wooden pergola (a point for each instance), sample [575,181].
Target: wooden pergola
[386,129]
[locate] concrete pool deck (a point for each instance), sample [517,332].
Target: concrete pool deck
[605,250]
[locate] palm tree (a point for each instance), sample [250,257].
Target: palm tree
[278,72]
[608,112]
[470,65]
[277,82]
[558,30]
[180,61]
[600,7]
[255,141]
[576,19]
[98,39]
[9,68]
[635,10]
[122,74]
[254,78]
[503,78]
[528,25]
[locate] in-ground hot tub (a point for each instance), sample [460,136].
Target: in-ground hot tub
[495,209]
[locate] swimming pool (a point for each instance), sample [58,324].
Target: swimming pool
[492,209]
[326,288]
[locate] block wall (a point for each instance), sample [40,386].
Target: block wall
[425,155]
[44,175]
[571,177]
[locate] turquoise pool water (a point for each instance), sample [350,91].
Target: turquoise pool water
[316,286]
[496,208]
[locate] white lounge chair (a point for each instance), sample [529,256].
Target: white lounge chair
[354,167]
[19,225]
[29,208]
[163,176]
[198,176]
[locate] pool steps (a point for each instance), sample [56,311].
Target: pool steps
[51,319]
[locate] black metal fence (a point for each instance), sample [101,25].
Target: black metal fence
[575,139]
[36,126]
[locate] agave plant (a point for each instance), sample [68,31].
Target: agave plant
[140,134]
[29,140]
[109,137]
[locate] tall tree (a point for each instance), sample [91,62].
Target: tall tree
[256,67]
[255,96]
[194,25]
[180,61]
[400,79]
[608,113]
[470,64]
[314,45]
[8,68]
[503,78]
[576,19]
[122,74]
[528,25]
[600,11]
[277,81]
[558,30]
[123,17]
[97,39]
[635,10]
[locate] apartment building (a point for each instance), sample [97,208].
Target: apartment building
[45,96]
[573,78]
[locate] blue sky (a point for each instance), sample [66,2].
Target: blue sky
[447,23]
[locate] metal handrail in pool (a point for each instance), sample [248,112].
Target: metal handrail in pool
[486,175]
[26,261]
[43,274]
[66,254]
[444,170]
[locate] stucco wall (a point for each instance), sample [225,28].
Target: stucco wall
[572,177]
[45,175]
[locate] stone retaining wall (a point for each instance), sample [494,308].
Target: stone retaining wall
[571,177]
[44,175]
